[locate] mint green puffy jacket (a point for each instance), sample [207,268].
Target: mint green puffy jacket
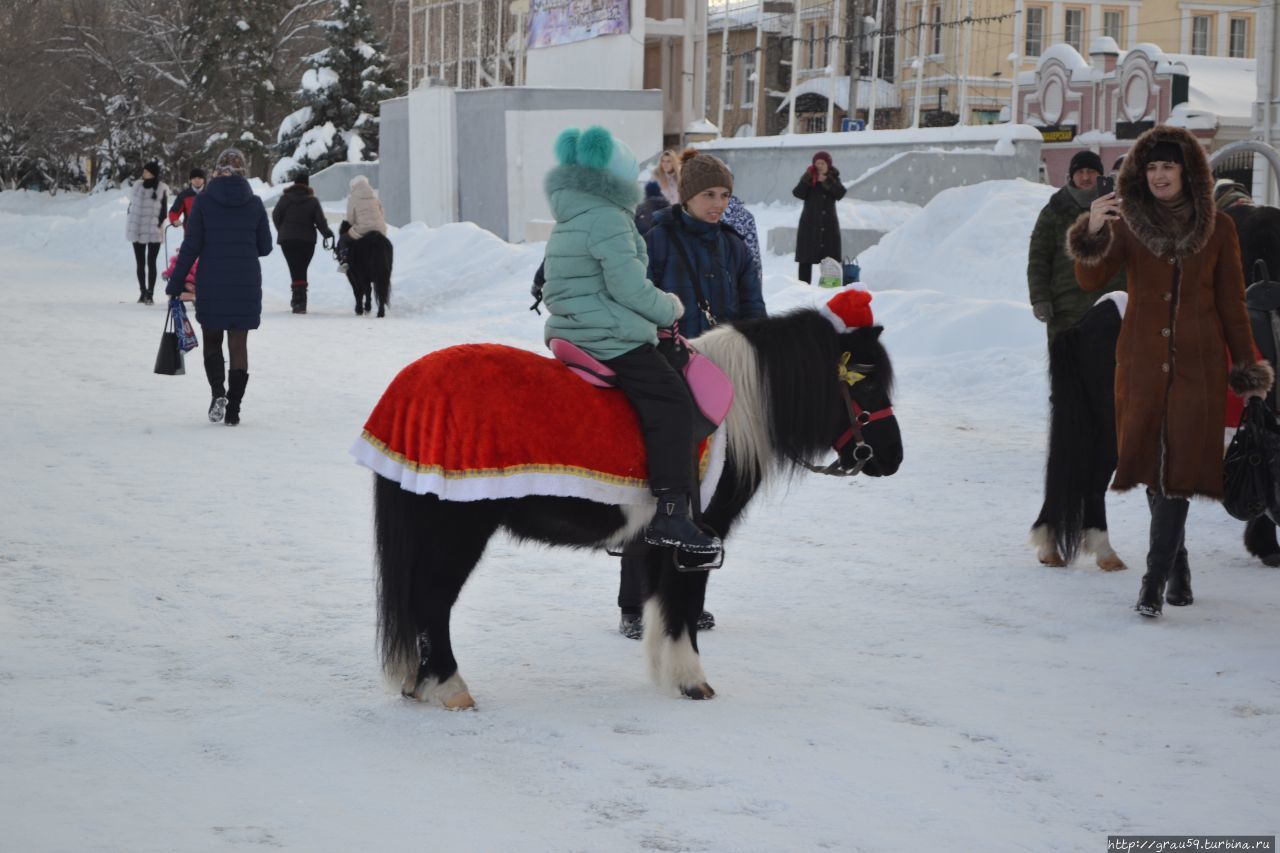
[597,292]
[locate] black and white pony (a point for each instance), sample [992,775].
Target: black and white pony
[369,263]
[1082,439]
[792,401]
[1082,443]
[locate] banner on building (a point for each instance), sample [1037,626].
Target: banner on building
[1058,133]
[553,22]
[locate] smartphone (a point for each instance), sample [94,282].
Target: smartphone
[1104,186]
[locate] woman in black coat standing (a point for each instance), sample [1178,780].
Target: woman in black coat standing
[819,234]
[298,216]
[228,232]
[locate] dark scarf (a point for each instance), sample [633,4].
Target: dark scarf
[151,184]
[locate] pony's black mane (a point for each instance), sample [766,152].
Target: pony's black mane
[798,354]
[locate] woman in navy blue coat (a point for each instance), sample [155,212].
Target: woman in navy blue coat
[227,231]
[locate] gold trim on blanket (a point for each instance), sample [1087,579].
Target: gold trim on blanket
[532,468]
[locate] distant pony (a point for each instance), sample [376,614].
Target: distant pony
[369,262]
[1082,439]
[801,385]
[1082,436]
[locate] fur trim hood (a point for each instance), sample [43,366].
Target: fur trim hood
[1140,212]
[596,183]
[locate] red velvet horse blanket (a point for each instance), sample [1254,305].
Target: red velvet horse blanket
[481,421]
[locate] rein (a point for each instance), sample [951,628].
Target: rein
[858,418]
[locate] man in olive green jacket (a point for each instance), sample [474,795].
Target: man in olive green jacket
[1057,300]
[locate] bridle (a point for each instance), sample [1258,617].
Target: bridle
[858,418]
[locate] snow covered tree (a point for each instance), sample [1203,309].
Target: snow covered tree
[338,118]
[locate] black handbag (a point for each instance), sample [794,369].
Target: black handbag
[169,358]
[1249,475]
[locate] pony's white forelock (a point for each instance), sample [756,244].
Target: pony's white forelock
[748,418]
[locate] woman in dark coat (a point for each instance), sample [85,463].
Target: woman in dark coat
[228,232]
[298,216]
[1186,311]
[819,234]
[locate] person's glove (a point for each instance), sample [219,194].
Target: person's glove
[1042,310]
[678,302]
[326,243]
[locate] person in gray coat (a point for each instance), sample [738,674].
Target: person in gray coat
[144,227]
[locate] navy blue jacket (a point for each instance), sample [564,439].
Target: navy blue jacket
[720,259]
[228,231]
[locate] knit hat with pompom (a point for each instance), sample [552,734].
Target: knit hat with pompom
[700,172]
[596,148]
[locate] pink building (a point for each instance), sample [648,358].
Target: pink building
[1104,103]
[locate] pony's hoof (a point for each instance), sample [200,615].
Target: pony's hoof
[1052,560]
[698,691]
[460,702]
[1272,560]
[1112,563]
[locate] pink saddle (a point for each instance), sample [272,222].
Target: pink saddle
[711,388]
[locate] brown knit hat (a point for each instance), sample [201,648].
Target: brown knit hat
[699,172]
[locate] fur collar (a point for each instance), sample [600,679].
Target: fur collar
[1140,207]
[593,182]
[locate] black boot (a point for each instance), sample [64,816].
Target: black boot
[1178,592]
[673,526]
[149,298]
[142,294]
[1168,523]
[237,380]
[298,300]
[1260,540]
[214,371]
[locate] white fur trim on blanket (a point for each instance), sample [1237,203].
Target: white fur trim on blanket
[558,484]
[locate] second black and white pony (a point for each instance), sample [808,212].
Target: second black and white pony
[801,386]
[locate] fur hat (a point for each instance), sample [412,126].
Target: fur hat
[153,167]
[596,148]
[197,172]
[1140,214]
[849,309]
[303,178]
[700,172]
[1085,159]
[230,162]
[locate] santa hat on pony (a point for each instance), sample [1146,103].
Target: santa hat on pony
[849,309]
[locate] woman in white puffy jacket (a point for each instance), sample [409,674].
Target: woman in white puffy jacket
[364,210]
[144,226]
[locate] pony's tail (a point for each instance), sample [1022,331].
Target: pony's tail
[1072,445]
[380,263]
[399,535]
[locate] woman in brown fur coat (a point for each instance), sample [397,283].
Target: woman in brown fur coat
[1186,311]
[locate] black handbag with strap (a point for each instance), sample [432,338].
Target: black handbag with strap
[169,358]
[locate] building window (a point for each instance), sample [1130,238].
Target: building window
[1074,31]
[1200,35]
[991,116]
[728,84]
[1035,31]
[1112,23]
[749,80]
[826,44]
[1239,42]
[937,29]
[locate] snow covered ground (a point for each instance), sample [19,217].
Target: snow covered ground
[186,610]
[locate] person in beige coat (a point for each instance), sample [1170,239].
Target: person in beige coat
[364,210]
